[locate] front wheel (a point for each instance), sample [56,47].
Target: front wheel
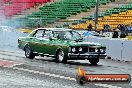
[94,61]
[29,53]
[60,57]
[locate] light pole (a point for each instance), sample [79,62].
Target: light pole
[96,15]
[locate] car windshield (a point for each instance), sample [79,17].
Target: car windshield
[69,35]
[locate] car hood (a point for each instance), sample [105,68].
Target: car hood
[86,44]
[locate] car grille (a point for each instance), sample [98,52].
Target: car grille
[86,49]
[91,49]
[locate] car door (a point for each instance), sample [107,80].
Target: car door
[45,42]
[38,42]
[55,43]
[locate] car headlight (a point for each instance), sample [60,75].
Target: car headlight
[96,50]
[102,50]
[80,49]
[73,49]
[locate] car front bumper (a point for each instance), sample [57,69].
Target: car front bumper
[86,56]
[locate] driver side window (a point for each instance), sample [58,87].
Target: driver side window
[44,34]
[61,35]
[39,34]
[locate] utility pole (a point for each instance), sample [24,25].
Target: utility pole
[96,15]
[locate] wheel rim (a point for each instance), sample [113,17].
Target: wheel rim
[61,56]
[28,51]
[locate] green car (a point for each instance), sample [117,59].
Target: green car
[62,44]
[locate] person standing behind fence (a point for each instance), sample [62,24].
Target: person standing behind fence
[115,34]
[90,27]
[106,28]
[123,29]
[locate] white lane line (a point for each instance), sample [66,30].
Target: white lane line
[107,86]
[43,73]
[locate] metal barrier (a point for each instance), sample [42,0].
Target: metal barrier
[117,49]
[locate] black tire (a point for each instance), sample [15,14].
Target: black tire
[29,53]
[60,56]
[94,61]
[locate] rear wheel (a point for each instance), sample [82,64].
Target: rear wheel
[94,61]
[60,57]
[29,53]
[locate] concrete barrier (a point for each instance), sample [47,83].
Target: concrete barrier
[117,49]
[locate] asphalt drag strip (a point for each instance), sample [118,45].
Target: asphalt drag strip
[36,73]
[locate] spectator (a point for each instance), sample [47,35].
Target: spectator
[90,27]
[115,34]
[123,29]
[106,28]
[119,27]
[130,28]
[126,29]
